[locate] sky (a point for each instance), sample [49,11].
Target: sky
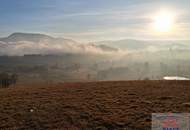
[93,20]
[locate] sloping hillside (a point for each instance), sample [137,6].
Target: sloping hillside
[147,45]
[19,44]
[97,105]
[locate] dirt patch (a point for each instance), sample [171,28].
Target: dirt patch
[96,105]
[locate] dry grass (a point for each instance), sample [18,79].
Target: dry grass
[97,105]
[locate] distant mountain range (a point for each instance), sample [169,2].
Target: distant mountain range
[147,45]
[15,37]
[29,43]
[33,37]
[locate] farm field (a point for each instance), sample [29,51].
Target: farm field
[115,105]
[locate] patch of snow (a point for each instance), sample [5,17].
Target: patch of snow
[175,78]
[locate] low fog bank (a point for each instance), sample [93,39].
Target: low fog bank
[41,58]
[20,44]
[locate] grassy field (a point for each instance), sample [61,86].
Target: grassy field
[120,105]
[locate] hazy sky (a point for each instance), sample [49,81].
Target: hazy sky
[93,20]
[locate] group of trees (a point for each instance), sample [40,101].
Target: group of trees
[8,79]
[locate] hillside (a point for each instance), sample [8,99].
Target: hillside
[96,105]
[19,44]
[147,45]
[15,37]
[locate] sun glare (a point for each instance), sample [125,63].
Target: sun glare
[164,22]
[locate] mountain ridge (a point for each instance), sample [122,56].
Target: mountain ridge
[35,43]
[18,36]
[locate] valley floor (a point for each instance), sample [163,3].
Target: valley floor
[119,105]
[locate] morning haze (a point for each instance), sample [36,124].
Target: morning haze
[95,65]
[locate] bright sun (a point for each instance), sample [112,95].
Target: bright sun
[164,22]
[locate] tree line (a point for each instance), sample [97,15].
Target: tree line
[7,79]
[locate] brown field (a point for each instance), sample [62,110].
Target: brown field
[121,105]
